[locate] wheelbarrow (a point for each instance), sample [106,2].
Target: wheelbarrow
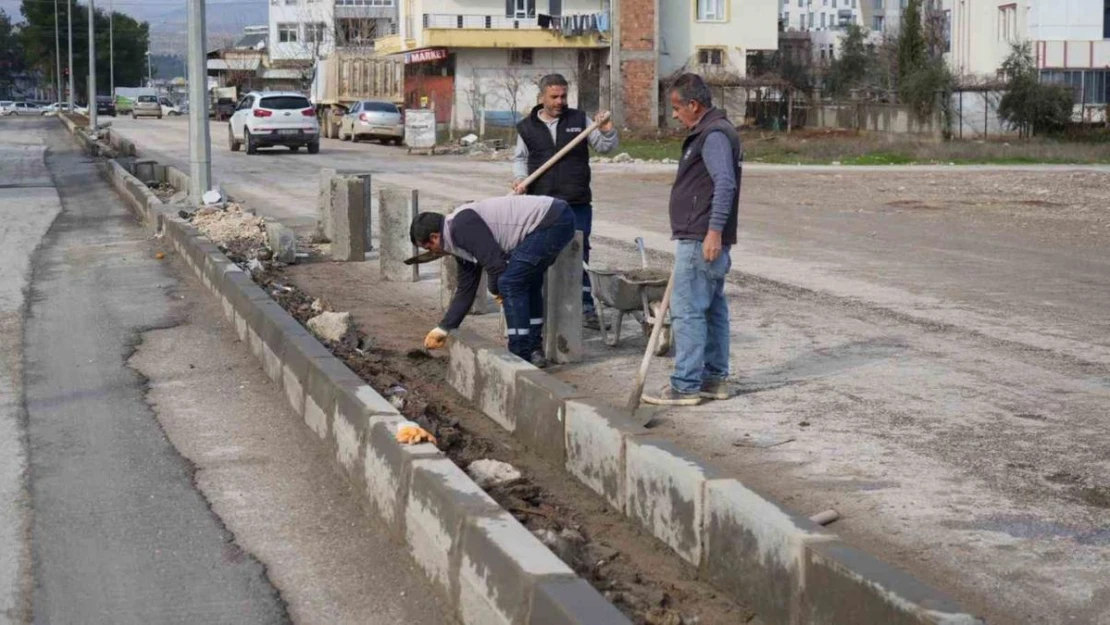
[636,292]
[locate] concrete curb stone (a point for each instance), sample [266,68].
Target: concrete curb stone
[539,405]
[595,448]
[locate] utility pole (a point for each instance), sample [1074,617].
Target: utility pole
[112,49]
[92,66]
[69,19]
[57,54]
[200,146]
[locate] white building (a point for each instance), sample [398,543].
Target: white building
[824,20]
[304,30]
[710,36]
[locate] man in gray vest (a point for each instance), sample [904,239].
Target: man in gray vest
[704,206]
[549,128]
[514,239]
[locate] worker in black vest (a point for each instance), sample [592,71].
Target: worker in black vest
[551,126]
[705,204]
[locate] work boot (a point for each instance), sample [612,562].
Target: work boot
[592,321]
[537,359]
[716,389]
[667,396]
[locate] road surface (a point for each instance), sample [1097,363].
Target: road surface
[149,473]
[924,349]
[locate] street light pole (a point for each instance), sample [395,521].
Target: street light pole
[92,66]
[200,147]
[149,73]
[111,49]
[69,19]
[57,55]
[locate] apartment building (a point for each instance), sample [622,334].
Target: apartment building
[824,20]
[1071,41]
[468,56]
[305,30]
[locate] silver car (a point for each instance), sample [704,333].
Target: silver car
[373,119]
[7,107]
[146,106]
[28,108]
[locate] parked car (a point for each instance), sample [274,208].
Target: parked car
[7,107]
[146,106]
[373,119]
[266,119]
[169,109]
[27,109]
[106,105]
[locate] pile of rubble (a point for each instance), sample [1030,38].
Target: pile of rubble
[626,158]
[239,232]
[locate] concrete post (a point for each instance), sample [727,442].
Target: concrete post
[396,208]
[562,333]
[449,280]
[200,146]
[69,22]
[348,217]
[92,66]
[368,209]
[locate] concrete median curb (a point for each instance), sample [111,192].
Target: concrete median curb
[787,568]
[487,566]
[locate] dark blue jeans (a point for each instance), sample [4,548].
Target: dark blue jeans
[521,285]
[584,221]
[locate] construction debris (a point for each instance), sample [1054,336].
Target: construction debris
[492,473]
[238,232]
[335,328]
[623,157]
[411,434]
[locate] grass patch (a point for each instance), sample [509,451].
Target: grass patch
[848,148]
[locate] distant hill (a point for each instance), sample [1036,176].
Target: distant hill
[226,18]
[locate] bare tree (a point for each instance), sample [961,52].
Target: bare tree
[476,98]
[510,86]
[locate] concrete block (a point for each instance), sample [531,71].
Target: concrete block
[396,210]
[387,468]
[462,349]
[845,585]
[665,493]
[441,498]
[325,378]
[562,333]
[754,549]
[571,602]
[144,168]
[282,241]
[538,405]
[349,219]
[495,384]
[449,280]
[266,321]
[300,351]
[325,227]
[499,565]
[595,447]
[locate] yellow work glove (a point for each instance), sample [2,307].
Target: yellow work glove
[500,301]
[436,339]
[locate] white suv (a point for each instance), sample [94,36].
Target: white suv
[271,118]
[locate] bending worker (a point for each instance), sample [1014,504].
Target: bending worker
[549,128]
[705,204]
[514,239]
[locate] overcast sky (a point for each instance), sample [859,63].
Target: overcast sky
[169,15]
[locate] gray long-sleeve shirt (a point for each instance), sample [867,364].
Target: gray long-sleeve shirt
[601,142]
[719,160]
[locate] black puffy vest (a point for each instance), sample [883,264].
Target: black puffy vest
[692,192]
[569,179]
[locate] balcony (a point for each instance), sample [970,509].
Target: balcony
[497,31]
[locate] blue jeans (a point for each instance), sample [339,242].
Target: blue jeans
[699,318]
[584,221]
[521,285]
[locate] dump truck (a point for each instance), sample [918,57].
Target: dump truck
[344,78]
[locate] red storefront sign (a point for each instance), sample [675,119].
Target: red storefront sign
[431,55]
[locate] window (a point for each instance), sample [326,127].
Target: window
[365,3]
[287,33]
[823,20]
[285,103]
[379,107]
[520,8]
[315,33]
[878,22]
[1007,22]
[878,5]
[802,17]
[1106,19]
[521,56]
[711,10]
[290,2]
[711,56]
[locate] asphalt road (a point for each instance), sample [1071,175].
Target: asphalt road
[154,475]
[924,349]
